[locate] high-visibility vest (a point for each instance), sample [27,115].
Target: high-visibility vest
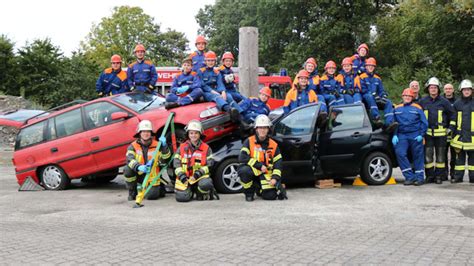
[464,137]
[191,160]
[141,160]
[258,154]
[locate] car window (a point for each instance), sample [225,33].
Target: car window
[346,118]
[279,90]
[299,122]
[69,123]
[100,114]
[138,101]
[31,135]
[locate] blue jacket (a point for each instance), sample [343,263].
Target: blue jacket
[191,79]
[358,64]
[328,84]
[252,107]
[198,60]
[227,71]
[294,98]
[411,119]
[141,74]
[349,81]
[211,79]
[112,82]
[372,83]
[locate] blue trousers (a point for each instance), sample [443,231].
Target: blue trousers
[408,142]
[332,100]
[188,99]
[324,107]
[235,95]
[369,99]
[231,100]
[356,98]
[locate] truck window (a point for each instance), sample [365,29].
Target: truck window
[297,123]
[69,123]
[31,135]
[346,118]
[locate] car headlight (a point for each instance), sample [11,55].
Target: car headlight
[209,112]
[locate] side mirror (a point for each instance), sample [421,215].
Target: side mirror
[119,115]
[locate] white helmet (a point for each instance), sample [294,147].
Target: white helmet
[262,121]
[433,81]
[465,84]
[194,125]
[142,126]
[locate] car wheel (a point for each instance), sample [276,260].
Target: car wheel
[376,169]
[54,178]
[180,136]
[226,177]
[107,176]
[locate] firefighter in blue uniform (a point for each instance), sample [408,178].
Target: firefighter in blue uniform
[213,88]
[113,80]
[228,77]
[186,87]
[358,60]
[463,138]
[375,96]
[198,55]
[142,74]
[350,82]
[409,137]
[439,113]
[329,86]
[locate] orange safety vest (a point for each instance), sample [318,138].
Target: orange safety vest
[193,160]
[261,155]
[151,150]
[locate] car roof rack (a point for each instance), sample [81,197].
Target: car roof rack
[63,106]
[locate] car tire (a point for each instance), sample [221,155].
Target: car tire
[376,169]
[226,179]
[53,177]
[180,136]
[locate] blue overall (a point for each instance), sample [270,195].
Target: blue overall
[350,81]
[198,60]
[330,88]
[252,107]
[212,87]
[372,88]
[112,82]
[141,75]
[193,93]
[230,87]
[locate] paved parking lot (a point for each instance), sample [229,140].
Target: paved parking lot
[92,224]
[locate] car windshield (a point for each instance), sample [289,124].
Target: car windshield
[22,114]
[139,102]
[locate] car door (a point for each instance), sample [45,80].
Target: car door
[108,138]
[348,129]
[295,136]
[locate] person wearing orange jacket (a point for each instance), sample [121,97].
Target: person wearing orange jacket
[228,77]
[358,59]
[113,80]
[198,55]
[329,86]
[300,94]
[142,74]
[313,79]
[350,82]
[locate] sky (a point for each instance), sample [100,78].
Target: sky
[68,22]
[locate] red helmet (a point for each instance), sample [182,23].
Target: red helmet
[329,64]
[371,62]
[408,92]
[267,91]
[200,38]
[303,74]
[347,61]
[365,46]
[210,55]
[116,59]
[139,47]
[311,61]
[227,55]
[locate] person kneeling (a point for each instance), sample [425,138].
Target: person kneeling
[140,160]
[260,159]
[191,164]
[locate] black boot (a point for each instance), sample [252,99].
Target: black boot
[429,180]
[438,180]
[234,115]
[391,128]
[132,191]
[419,183]
[408,182]
[170,105]
[378,123]
[249,197]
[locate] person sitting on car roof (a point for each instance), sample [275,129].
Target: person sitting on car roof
[313,79]
[191,164]
[213,88]
[329,86]
[300,94]
[113,80]
[252,107]
[186,87]
[409,136]
[350,83]
[260,160]
[140,161]
[228,77]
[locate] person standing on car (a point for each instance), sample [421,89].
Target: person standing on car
[140,160]
[191,164]
[113,80]
[198,56]
[300,94]
[142,74]
[408,136]
[260,160]
[213,88]
[186,87]
[228,77]
[450,164]
[350,82]
[439,113]
[374,95]
[463,127]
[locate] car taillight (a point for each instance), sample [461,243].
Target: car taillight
[209,112]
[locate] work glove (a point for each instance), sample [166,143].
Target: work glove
[151,87]
[449,132]
[163,141]
[100,94]
[183,178]
[197,175]
[132,88]
[343,91]
[149,164]
[229,78]
[419,138]
[395,140]
[142,168]
[350,91]
[182,89]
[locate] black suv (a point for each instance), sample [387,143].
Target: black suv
[342,145]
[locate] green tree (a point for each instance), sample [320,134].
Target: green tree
[127,26]
[8,67]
